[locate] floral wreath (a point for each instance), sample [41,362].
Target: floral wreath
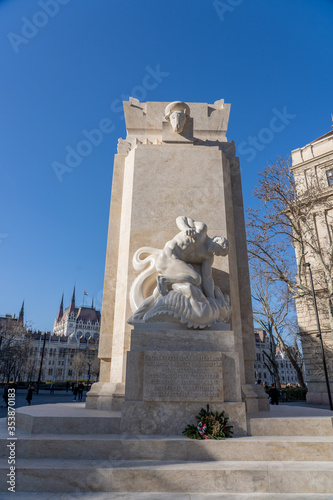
[211,425]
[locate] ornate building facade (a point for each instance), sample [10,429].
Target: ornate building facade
[76,332]
[80,321]
[288,375]
[312,167]
[57,354]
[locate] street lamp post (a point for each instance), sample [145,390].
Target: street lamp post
[89,355]
[41,364]
[320,336]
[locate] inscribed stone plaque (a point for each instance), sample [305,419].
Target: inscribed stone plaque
[183,376]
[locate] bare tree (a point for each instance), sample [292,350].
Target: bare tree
[295,219]
[79,364]
[95,367]
[86,363]
[13,348]
[30,366]
[92,361]
[273,310]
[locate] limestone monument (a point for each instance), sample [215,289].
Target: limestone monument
[176,329]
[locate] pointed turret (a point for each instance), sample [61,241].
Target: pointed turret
[92,304]
[21,315]
[61,309]
[72,305]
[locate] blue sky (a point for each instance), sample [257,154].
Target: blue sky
[65,67]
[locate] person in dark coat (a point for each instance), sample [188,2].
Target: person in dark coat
[274,395]
[74,392]
[29,395]
[5,396]
[80,389]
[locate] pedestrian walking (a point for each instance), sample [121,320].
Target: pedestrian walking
[74,392]
[5,395]
[80,389]
[52,388]
[274,395]
[29,395]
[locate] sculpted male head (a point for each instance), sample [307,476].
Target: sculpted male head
[177,113]
[219,246]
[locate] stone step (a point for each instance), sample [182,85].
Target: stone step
[322,426]
[67,418]
[117,447]
[149,476]
[126,495]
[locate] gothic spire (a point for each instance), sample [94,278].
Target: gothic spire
[21,315]
[72,305]
[92,304]
[61,309]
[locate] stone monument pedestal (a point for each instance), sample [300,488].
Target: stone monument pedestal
[172,373]
[105,396]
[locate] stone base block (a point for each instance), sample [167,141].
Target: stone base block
[66,418]
[105,396]
[154,417]
[255,398]
[172,374]
[317,398]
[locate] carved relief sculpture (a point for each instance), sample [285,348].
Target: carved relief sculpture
[177,113]
[184,290]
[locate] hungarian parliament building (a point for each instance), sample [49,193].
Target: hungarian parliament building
[77,321]
[76,330]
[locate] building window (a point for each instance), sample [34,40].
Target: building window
[329,175]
